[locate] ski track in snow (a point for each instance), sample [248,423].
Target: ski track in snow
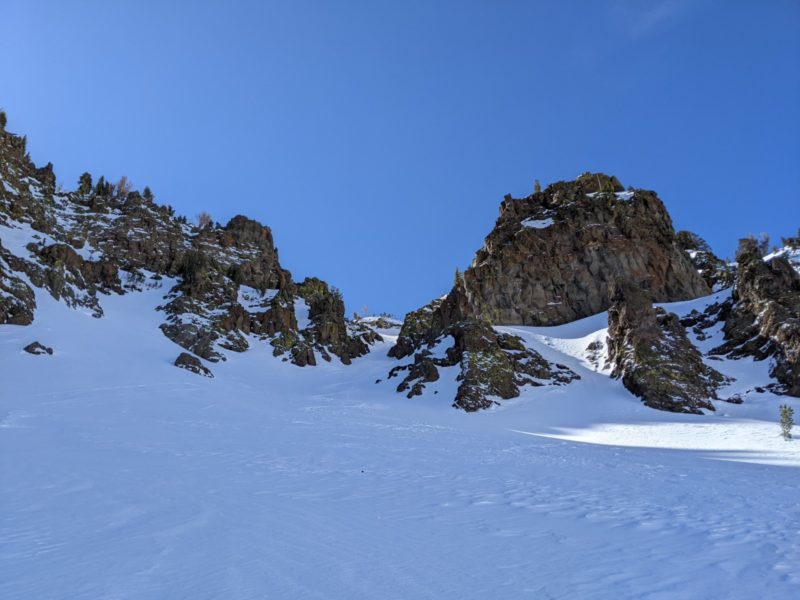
[124,477]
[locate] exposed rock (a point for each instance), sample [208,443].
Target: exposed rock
[37,348]
[99,239]
[327,330]
[17,300]
[193,364]
[650,352]
[492,365]
[717,273]
[552,257]
[379,322]
[764,318]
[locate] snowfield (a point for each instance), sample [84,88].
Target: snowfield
[124,477]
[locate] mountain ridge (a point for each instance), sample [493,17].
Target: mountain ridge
[558,255]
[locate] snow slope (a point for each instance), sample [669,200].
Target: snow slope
[124,477]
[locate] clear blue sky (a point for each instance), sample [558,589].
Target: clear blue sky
[378,138]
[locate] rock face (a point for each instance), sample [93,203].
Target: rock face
[650,352]
[552,257]
[37,348]
[717,273]
[763,318]
[193,364]
[491,365]
[225,286]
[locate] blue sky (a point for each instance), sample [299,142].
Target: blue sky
[378,138]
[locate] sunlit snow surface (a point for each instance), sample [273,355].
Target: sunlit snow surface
[124,477]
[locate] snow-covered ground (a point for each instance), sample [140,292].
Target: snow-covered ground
[124,477]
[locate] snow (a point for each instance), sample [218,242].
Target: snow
[15,239]
[253,300]
[624,196]
[301,312]
[537,223]
[125,477]
[791,254]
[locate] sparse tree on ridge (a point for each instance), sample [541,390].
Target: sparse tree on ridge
[123,187]
[85,184]
[203,220]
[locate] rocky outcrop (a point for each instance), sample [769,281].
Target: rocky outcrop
[717,273]
[228,288]
[552,257]
[763,318]
[17,300]
[492,366]
[650,352]
[37,348]
[327,330]
[193,364]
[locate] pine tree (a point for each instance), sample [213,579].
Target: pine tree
[537,187]
[3,120]
[100,188]
[85,184]
[787,421]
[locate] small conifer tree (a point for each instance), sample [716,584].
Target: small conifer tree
[100,188]
[85,184]
[537,187]
[3,120]
[787,421]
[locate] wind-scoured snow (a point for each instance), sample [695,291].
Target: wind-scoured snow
[125,477]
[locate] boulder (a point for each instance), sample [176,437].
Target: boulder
[38,349]
[193,364]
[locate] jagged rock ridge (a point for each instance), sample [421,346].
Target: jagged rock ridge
[763,319]
[491,365]
[227,284]
[552,257]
